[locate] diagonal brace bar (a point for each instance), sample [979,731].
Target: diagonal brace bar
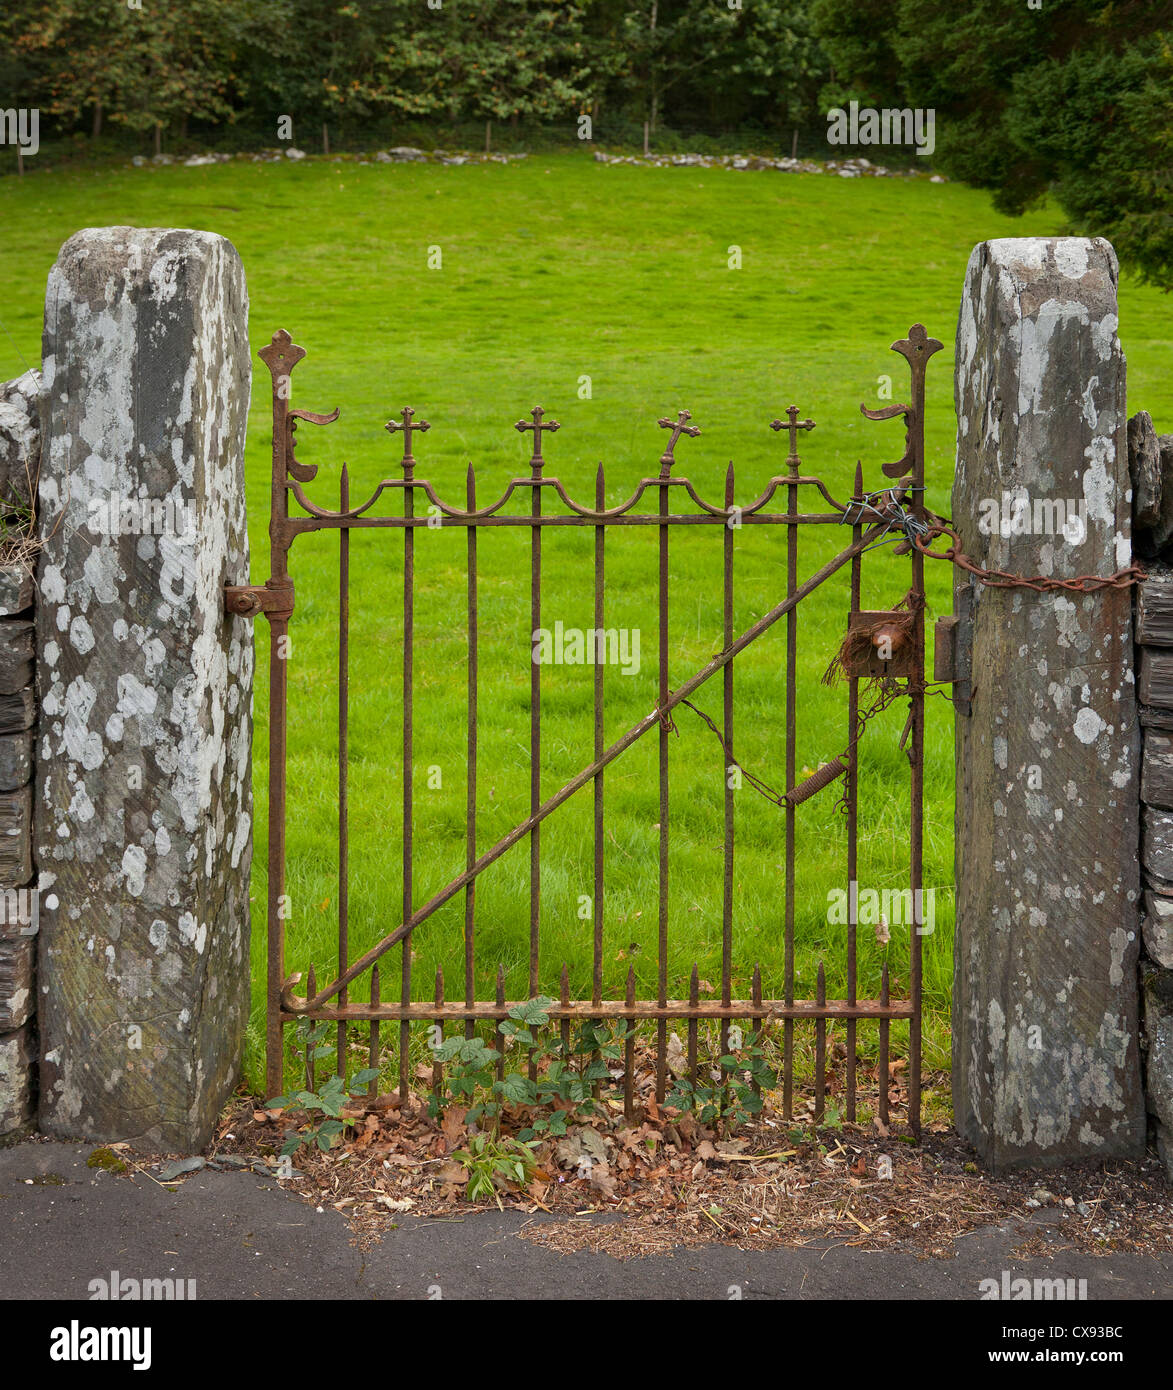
[583,778]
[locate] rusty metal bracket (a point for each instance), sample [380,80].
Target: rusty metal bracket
[945,649]
[251,600]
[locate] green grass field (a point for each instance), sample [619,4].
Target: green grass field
[553,270]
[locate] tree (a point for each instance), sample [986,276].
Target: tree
[1073,100]
[142,69]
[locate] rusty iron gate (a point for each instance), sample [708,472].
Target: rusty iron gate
[883,654]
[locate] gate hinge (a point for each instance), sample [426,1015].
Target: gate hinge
[250,600]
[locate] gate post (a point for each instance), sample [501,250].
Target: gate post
[142,826]
[1045,1056]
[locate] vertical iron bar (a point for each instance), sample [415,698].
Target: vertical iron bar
[600,571]
[564,1029]
[438,1066]
[470,813]
[756,1035]
[408,757]
[727,721]
[791,661]
[629,1050]
[535,734]
[343,754]
[281,356]
[274,1028]
[373,1060]
[662,941]
[498,1036]
[916,756]
[311,1069]
[884,1026]
[694,998]
[851,796]
[820,1046]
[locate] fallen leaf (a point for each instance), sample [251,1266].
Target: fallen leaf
[452,1125]
[601,1180]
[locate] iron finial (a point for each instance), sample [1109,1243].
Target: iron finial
[537,424]
[407,426]
[793,424]
[678,427]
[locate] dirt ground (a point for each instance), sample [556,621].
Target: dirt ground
[677,1182]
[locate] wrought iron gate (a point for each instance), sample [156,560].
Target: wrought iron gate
[883,654]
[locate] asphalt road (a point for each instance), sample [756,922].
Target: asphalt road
[240,1237]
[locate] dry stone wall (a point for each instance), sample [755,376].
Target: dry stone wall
[1151,462]
[20,450]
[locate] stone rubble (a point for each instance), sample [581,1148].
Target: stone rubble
[852,168]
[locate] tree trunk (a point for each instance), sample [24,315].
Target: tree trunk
[96,129]
[652,73]
[325,138]
[158,138]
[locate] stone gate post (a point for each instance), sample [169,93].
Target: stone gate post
[142,823]
[1045,1055]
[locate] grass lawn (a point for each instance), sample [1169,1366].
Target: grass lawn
[553,270]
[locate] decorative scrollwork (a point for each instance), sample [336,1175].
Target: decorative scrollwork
[916,349]
[281,356]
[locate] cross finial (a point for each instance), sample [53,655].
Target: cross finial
[408,428]
[793,424]
[537,424]
[678,427]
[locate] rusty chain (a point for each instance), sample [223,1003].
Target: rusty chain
[887,507]
[1001,579]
